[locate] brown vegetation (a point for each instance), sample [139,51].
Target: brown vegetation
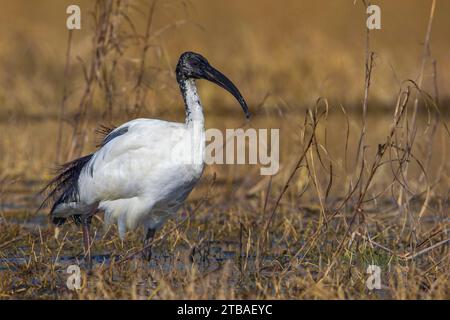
[364,175]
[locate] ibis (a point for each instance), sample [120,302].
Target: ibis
[143,170]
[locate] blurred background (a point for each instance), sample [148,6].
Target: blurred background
[295,50]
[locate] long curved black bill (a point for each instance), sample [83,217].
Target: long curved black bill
[221,80]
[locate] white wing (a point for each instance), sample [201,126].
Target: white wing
[132,160]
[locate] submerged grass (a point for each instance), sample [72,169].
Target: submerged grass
[222,227]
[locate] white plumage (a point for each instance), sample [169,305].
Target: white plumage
[145,168]
[136,177]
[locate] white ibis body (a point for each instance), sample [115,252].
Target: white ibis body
[144,169]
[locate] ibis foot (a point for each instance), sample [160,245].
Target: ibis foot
[148,243]
[87,243]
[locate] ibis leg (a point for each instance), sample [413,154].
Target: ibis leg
[86,223]
[147,251]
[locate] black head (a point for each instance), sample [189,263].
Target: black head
[192,65]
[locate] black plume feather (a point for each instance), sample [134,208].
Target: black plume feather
[63,188]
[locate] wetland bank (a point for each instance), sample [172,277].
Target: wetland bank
[214,248]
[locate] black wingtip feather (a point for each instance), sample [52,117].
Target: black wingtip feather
[103,131]
[64,186]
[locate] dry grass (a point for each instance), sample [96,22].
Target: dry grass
[364,172]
